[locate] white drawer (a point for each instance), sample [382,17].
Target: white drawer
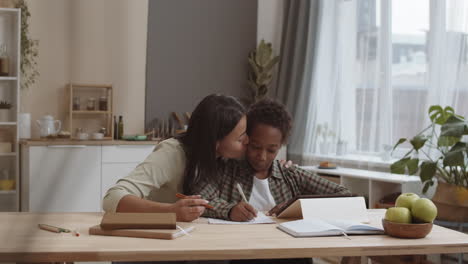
[126,153]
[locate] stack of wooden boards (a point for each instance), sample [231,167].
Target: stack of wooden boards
[143,225]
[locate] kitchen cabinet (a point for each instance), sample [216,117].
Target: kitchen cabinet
[118,161]
[74,178]
[62,178]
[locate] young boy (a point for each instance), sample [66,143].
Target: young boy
[264,181]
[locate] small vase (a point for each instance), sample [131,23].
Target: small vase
[4,115]
[324,147]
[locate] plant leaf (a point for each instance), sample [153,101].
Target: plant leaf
[271,64]
[428,170]
[436,114]
[446,141]
[454,158]
[399,166]
[400,141]
[418,142]
[413,166]
[427,185]
[453,127]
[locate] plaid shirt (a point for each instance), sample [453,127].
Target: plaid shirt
[284,183]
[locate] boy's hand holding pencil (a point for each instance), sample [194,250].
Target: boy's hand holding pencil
[243,211]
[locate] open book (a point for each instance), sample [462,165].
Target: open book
[321,227]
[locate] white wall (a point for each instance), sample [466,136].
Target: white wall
[270,22]
[89,41]
[50,24]
[104,41]
[109,46]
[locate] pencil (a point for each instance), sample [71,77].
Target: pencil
[53,228]
[183,196]
[241,192]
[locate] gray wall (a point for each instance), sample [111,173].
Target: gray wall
[196,48]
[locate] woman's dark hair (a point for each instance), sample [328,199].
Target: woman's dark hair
[213,119]
[270,113]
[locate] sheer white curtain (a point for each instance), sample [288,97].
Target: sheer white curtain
[378,67]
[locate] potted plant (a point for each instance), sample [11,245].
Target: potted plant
[5,107]
[261,62]
[444,160]
[29,48]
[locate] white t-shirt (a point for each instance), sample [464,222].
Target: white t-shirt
[261,198]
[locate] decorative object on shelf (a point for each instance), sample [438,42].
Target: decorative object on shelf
[76,103]
[444,161]
[5,107]
[341,147]
[116,129]
[29,48]
[24,125]
[103,103]
[63,134]
[6,183]
[91,105]
[91,115]
[327,135]
[261,62]
[4,61]
[48,127]
[121,127]
[97,136]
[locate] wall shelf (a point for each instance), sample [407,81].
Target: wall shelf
[8,78]
[90,120]
[7,123]
[10,28]
[8,192]
[92,112]
[12,154]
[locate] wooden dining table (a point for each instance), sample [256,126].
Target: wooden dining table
[22,241]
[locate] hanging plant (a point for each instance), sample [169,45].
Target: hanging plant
[29,48]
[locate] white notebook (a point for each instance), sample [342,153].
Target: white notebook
[321,227]
[260,219]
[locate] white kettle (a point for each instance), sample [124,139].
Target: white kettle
[47,126]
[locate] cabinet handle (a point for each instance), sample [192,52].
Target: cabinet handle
[66,146]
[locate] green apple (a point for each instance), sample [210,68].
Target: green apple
[398,215]
[406,200]
[424,210]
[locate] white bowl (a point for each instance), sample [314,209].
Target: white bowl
[82,136]
[97,136]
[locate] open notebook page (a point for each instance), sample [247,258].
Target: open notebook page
[260,219]
[353,227]
[310,227]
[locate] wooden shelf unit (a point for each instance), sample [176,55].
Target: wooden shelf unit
[10,29]
[75,89]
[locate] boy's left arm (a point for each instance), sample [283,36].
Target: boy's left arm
[311,183]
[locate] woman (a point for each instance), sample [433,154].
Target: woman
[217,129]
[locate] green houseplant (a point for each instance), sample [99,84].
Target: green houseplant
[29,48]
[444,159]
[261,62]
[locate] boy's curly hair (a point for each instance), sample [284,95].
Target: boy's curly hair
[272,113]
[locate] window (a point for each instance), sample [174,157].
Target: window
[380,64]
